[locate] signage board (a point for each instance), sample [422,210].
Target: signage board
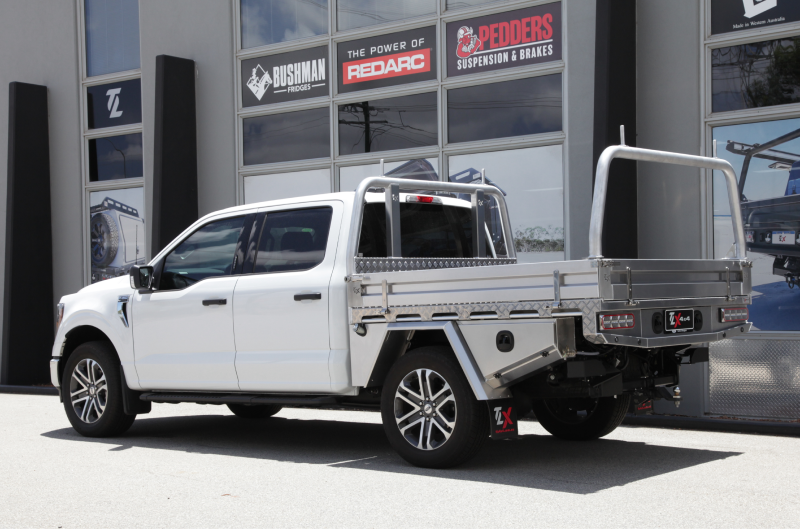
[504,40]
[114,104]
[387,60]
[739,15]
[285,77]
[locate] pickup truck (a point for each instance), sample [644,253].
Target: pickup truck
[397,296]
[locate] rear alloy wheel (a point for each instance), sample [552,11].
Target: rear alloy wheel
[583,418]
[429,412]
[92,391]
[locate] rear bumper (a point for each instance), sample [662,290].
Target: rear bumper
[689,338]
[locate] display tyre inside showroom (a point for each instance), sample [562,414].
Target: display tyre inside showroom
[105,239]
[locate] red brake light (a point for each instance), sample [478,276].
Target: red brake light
[425,200]
[422,199]
[617,321]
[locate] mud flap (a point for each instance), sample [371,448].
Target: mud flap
[503,419]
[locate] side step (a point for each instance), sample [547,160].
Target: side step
[221,398]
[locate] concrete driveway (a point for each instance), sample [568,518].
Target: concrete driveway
[187,465]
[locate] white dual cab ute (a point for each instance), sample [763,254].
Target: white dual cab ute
[399,296]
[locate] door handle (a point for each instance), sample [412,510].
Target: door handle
[303,297]
[207,302]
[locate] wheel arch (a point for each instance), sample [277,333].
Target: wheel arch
[395,339]
[77,336]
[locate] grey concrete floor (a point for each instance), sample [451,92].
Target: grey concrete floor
[188,465]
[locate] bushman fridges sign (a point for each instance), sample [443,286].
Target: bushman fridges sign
[388,60]
[504,40]
[285,77]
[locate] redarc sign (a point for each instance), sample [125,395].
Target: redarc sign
[285,77]
[504,40]
[388,60]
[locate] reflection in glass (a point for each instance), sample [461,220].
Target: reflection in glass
[766,158]
[115,157]
[116,232]
[284,137]
[388,124]
[459,4]
[272,21]
[422,169]
[359,13]
[261,188]
[293,240]
[759,74]
[112,36]
[532,181]
[499,110]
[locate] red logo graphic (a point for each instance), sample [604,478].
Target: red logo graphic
[468,43]
[677,320]
[503,417]
[396,65]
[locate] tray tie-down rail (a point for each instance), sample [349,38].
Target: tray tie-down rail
[647,155]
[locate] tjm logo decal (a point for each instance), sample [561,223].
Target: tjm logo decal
[756,7]
[113,102]
[503,417]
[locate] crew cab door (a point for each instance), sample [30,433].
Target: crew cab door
[183,332]
[280,308]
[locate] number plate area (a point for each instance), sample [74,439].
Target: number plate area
[678,320]
[783,237]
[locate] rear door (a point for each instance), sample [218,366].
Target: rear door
[281,307]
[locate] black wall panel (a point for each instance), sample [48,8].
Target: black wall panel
[28,311]
[615,105]
[175,152]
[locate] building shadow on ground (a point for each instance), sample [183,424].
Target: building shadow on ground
[533,461]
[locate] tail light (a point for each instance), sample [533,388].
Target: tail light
[616,321]
[734,314]
[422,199]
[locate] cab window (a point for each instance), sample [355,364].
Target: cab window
[293,240]
[208,252]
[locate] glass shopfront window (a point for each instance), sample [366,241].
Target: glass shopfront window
[112,36]
[500,110]
[422,169]
[532,181]
[115,157]
[459,4]
[388,124]
[759,74]
[354,14]
[116,232]
[261,188]
[272,21]
[285,137]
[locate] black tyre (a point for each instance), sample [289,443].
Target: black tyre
[92,389]
[105,239]
[429,411]
[253,411]
[581,419]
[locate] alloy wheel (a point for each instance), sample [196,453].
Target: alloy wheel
[88,391]
[425,409]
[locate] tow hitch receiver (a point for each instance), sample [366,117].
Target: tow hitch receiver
[503,419]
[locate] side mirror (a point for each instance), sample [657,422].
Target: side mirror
[141,277]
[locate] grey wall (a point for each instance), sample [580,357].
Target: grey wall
[38,44]
[200,30]
[668,118]
[580,38]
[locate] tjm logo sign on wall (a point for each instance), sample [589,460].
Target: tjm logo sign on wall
[504,40]
[740,15]
[285,77]
[388,60]
[114,104]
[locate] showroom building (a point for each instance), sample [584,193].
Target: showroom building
[129,119]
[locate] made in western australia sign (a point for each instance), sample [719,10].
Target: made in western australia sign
[285,77]
[504,40]
[388,60]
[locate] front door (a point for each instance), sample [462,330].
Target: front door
[183,332]
[281,308]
